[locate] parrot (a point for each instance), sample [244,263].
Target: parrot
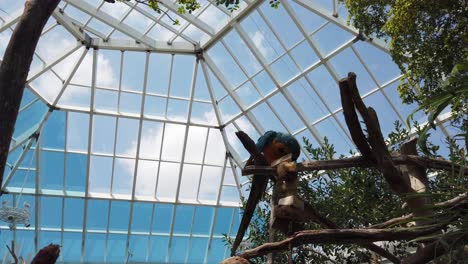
[273,145]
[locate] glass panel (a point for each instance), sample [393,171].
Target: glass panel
[150,142]
[197,250]
[108,69]
[182,75]
[52,169]
[51,212]
[133,70]
[210,183]
[177,110]
[71,247]
[331,37]
[286,112]
[53,133]
[167,180]
[217,250]
[155,106]
[178,249]
[248,94]
[183,221]
[116,246]
[73,213]
[189,182]
[119,216]
[159,73]
[77,131]
[147,175]
[138,248]
[284,69]
[76,171]
[103,134]
[162,218]
[159,246]
[97,214]
[173,142]
[106,100]
[100,174]
[46,238]
[130,103]
[123,176]
[202,221]
[141,218]
[223,221]
[215,150]
[95,247]
[195,144]
[24,243]
[307,100]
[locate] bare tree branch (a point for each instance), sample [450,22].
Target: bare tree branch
[456,202]
[398,159]
[12,251]
[339,236]
[352,121]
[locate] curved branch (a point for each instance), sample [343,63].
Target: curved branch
[398,159]
[339,236]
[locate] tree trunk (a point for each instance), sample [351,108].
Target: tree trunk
[15,67]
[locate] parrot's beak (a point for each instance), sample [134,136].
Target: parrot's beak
[287,157]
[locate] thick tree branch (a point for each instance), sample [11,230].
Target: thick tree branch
[352,121]
[398,159]
[258,188]
[15,67]
[338,236]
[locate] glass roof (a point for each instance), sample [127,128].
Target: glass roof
[136,157]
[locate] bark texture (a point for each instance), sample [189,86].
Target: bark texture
[15,67]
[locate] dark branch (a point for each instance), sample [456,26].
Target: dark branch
[398,159]
[352,120]
[12,251]
[338,236]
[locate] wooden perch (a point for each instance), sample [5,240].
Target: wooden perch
[360,161]
[338,236]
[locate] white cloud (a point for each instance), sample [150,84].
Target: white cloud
[259,40]
[169,172]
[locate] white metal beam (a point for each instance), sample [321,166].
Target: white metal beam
[88,163]
[317,9]
[113,22]
[284,92]
[230,23]
[11,19]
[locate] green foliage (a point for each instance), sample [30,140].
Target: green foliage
[427,38]
[357,198]
[192,5]
[454,89]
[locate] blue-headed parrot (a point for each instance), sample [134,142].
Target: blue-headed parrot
[273,145]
